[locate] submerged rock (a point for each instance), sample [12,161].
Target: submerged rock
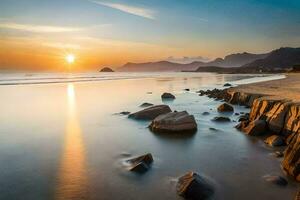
[151,112]
[124,113]
[193,186]
[167,95]
[225,107]
[278,180]
[140,164]
[227,85]
[221,119]
[187,89]
[278,154]
[146,104]
[174,122]
[205,113]
[275,140]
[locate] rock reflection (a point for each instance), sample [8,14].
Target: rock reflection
[72,178]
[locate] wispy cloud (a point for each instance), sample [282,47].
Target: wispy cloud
[37,28]
[138,11]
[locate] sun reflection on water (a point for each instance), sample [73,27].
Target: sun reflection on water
[72,178]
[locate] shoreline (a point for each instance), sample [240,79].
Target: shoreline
[275,110]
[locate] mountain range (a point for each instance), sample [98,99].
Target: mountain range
[276,59]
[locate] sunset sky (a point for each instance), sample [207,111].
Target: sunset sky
[39,34]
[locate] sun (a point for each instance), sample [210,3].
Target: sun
[70,58]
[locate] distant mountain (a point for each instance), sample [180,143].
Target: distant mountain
[280,58]
[236,60]
[160,66]
[276,60]
[233,60]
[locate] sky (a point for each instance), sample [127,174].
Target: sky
[39,34]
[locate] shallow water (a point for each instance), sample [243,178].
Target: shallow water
[65,141]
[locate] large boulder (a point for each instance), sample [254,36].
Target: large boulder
[167,95]
[151,112]
[174,122]
[275,140]
[193,186]
[255,128]
[225,107]
[140,164]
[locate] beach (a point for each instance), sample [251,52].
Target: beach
[287,88]
[68,140]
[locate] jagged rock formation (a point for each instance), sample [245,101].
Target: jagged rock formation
[269,115]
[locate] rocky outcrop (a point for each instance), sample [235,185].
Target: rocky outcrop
[268,115]
[225,107]
[195,187]
[174,122]
[140,164]
[291,159]
[151,112]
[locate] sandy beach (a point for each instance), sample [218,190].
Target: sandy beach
[287,88]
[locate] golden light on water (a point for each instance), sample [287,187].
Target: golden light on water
[72,177]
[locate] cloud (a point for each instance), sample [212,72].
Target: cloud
[37,28]
[138,11]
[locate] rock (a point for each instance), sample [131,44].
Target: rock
[146,104]
[225,107]
[167,96]
[174,122]
[187,89]
[275,140]
[151,112]
[278,154]
[194,187]
[140,164]
[276,116]
[221,119]
[227,85]
[278,180]
[213,129]
[205,113]
[236,113]
[124,113]
[106,69]
[291,159]
[255,128]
